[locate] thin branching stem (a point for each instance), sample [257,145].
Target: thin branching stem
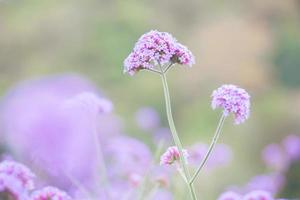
[154,71]
[167,68]
[210,149]
[174,133]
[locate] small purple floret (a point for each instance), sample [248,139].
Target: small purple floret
[172,155]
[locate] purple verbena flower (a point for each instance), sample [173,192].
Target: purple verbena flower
[230,195]
[19,172]
[155,48]
[15,180]
[50,193]
[258,195]
[172,155]
[233,100]
[10,186]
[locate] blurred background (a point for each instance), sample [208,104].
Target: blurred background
[254,44]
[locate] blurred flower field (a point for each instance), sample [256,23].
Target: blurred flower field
[73,125]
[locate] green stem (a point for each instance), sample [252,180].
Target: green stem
[211,147]
[175,135]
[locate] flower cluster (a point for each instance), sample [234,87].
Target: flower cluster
[18,171]
[156,48]
[172,155]
[51,193]
[17,180]
[233,100]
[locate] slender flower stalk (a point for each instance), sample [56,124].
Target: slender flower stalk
[210,149]
[175,135]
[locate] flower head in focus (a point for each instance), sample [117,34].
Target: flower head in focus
[233,100]
[157,48]
[50,193]
[172,155]
[258,195]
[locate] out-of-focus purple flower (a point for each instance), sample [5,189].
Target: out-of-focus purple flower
[162,174]
[12,187]
[221,155]
[89,102]
[147,118]
[19,172]
[233,100]
[50,193]
[197,153]
[274,157]
[162,135]
[258,195]
[230,195]
[172,155]
[49,124]
[292,147]
[127,156]
[271,183]
[117,189]
[135,179]
[155,48]
[162,194]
